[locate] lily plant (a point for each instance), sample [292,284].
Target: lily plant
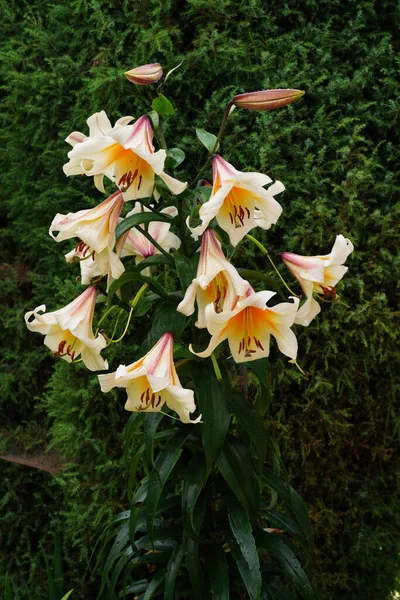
[159,262]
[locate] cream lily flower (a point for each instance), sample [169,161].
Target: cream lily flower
[249,325]
[216,282]
[134,243]
[68,331]
[234,199]
[123,153]
[94,264]
[318,274]
[152,381]
[96,228]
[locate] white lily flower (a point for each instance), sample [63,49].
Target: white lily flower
[249,325]
[96,228]
[234,201]
[152,381]
[123,153]
[216,281]
[68,331]
[134,243]
[318,274]
[96,264]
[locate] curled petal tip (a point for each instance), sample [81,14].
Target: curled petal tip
[267,99]
[145,74]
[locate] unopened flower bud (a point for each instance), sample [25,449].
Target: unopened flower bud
[266,99]
[145,74]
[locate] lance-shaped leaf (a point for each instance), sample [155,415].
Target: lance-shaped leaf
[139,219]
[293,502]
[237,468]
[165,462]
[207,139]
[218,572]
[213,397]
[241,529]
[195,478]
[151,422]
[172,571]
[289,563]
[243,566]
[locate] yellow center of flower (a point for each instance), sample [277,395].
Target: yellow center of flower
[66,346]
[245,325]
[149,399]
[234,203]
[217,290]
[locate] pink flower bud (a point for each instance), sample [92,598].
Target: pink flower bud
[267,99]
[145,74]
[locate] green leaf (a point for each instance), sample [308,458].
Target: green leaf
[207,139]
[193,483]
[172,571]
[261,370]
[155,119]
[252,423]
[241,529]
[242,565]
[279,521]
[139,219]
[213,397]
[218,573]
[165,318]
[237,468]
[186,268]
[67,595]
[154,584]
[165,462]
[129,277]
[133,423]
[117,549]
[289,563]
[162,105]
[276,590]
[195,571]
[151,422]
[294,503]
[8,593]
[175,156]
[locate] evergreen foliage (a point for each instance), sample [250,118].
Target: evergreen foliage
[337,155]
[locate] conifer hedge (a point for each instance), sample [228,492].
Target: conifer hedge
[337,153]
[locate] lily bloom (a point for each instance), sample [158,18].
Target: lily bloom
[68,331]
[249,326]
[234,200]
[319,275]
[152,381]
[267,99]
[134,243]
[145,74]
[123,153]
[96,228]
[94,264]
[216,282]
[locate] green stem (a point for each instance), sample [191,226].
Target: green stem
[217,142]
[182,226]
[266,253]
[108,312]
[124,332]
[138,295]
[160,131]
[217,371]
[222,128]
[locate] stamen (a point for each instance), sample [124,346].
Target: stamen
[158,402]
[140,182]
